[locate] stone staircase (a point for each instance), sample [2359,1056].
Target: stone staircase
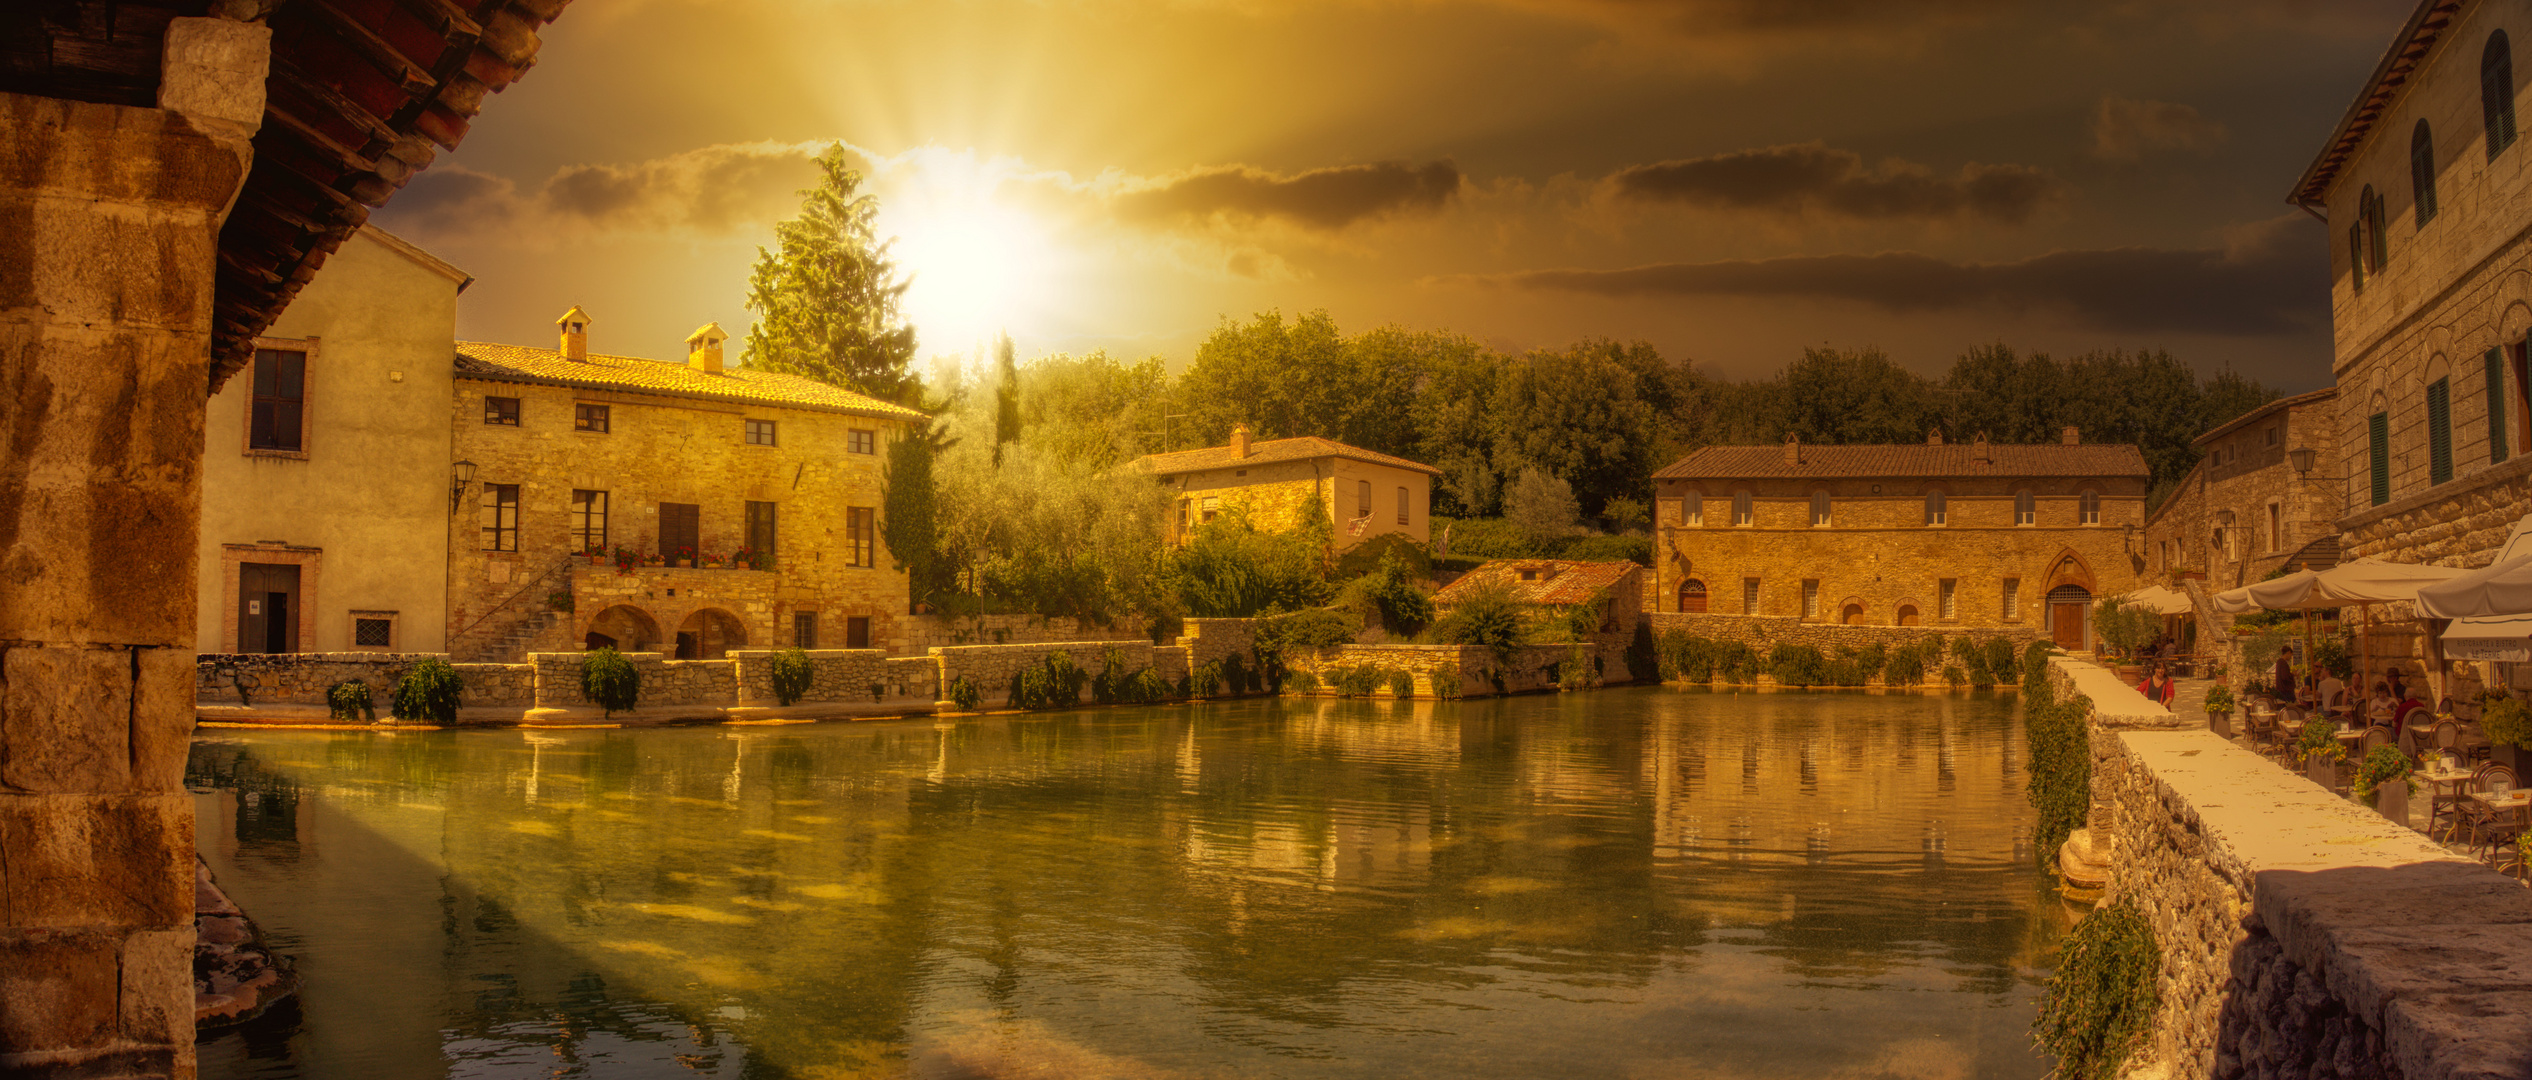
[534,633]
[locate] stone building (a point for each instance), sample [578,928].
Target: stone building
[1277,482]
[324,511]
[2265,493]
[694,507]
[1552,587]
[1976,534]
[2427,195]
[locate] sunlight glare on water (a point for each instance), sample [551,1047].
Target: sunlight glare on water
[1645,882]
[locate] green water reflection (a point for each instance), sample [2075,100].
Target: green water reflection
[1644,882]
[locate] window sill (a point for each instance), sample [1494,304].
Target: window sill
[286,455]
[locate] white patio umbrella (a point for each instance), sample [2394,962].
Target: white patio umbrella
[2362,582]
[2157,599]
[2503,587]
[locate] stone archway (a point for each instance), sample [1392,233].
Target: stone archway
[623,627]
[1906,614]
[710,634]
[1692,595]
[1850,612]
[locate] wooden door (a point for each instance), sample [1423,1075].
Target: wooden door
[680,530]
[267,608]
[857,632]
[2066,626]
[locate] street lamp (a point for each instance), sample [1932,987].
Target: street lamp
[2302,456]
[459,475]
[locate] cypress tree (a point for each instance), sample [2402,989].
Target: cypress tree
[827,296]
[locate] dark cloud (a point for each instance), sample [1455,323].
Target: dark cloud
[712,189]
[1780,16]
[2124,130]
[1329,198]
[2272,277]
[1812,178]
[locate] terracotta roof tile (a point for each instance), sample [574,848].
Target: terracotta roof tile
[1910,460]
[1558,582]
[1267,452]
[521,363]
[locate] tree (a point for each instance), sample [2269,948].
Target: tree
[1006,397]
[1576,415]
[909,515]
[827,297]
[1541,505]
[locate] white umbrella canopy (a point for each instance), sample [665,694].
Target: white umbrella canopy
[2157,599]
[2361,581]
[2501,589]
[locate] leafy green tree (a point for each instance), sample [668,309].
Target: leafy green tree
[1230,568]
[1542,506]
[1835,396]
[1006,397]
[1285,379]
[1575,414]
[827,296]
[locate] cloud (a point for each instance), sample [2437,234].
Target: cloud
[1328,199]
[2269,277]
[1812,178]
[1766,17]
[2124,130]
[713,188]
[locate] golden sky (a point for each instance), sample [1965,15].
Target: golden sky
[1731,180]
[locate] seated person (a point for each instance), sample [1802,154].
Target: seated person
[2157,686]
[2380,708]
[2401,712]
[2333,694]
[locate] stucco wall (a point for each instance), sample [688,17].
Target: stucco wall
[372,491]
[1278,496]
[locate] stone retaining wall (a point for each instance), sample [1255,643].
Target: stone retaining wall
[1209,640]
[840,675]
[992,667]
[925,632]
[665,682]
[2302,935]
[304,678]
[1764,631]
[1532,667]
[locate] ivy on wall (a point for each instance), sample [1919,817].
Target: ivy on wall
[2095,1011]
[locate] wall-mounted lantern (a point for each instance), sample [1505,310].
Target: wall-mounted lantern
[459,475]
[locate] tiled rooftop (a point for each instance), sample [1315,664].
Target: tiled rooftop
[1911,460]
[521,363]
[1554,582]
[1267,452]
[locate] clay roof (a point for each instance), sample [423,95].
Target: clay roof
[521,363]
[1910,460]
[2409,48]
[1557,582]
[1267,452]
[2230,426]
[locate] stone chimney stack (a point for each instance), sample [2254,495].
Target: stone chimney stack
[2070,436]
[1239,442]
[1982,453]
[575,324]
[703,348]
[1934,436]
[1793,449]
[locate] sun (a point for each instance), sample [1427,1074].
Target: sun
[977,264]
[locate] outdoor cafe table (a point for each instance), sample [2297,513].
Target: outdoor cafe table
[2513,802]
[2437,779]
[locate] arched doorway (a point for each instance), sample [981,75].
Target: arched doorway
[2069,617]
[1692,595]
[624,627]
[1852,614]
[710,634]
[1907,616]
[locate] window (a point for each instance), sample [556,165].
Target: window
[760,533]
[589,521]
[1362,499]
[2013,598]
[1947,602]
[2496,389]
[2272,434]
[1184,509]
[278,411]
[500,517]
[1934,508]
[804,629]
[861,441]
[2439,398]
[1692,595]
[760,433]
[1402,506]
[501,410]
[2088,508]
[1819,509]
[1212,505]
[2356,252]
[374,630]
[1749,596]
[861,537]
[857,632]
[1811,598]
[2422,172]
[680,530]
[2496,93]
[2378,455]
[2370,216]
[1741,510]
[587,417]
[2026,510]
[2276,529]
[1692,509]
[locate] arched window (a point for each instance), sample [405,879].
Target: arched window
[2026,509]
[1692,595]
[1741,509]
[1851,615]
[2372,240]
[2422,172]
[1906,616]
[1819,509]
[2088,507]
[1935,511]
[2496,93]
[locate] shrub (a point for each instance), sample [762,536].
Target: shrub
[1108,687]
[1401,683]
[1973,661]
[1954,677]
[1736,660]
[609,681]
[1905,665]
[2035,665]
[1147,687]
[427,693]
[1846,671]
[2219,699]
[2000,661]
[2507,721]
[1685,657]
[2381,766]
[2319,738]
[2095,1011]
[349,700]
[2060,784]
[1577,671]
[1356,680]
[792,673]
[1388,596]
[963,692]
[1797,665]
[1301,682]
[1231,569]
[1446,681]
[1486,616]
[1206,680]
[1235,675]
[1051,683]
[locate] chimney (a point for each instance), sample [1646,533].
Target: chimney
[1934,436]
[2069,436]
[575,324]
[1239,441]
[703,348]
[1793,449]
[1980,451]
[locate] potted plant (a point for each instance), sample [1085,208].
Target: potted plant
[686,558]
[2317,746]
[2508,724]
[626,559]
[2220,710]
[2374,777]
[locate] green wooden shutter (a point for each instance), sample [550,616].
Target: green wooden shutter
[2378,438]
[2439,431]
[2496,406]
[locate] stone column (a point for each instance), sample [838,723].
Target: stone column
[109,230]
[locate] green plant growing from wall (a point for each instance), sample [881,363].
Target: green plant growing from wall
[1401,683]
[2382,765]
[964,692]
[1301,682]
[609,681]
[1797,665]
[1446,681]
[1954,677]
[427,694]
[2001,664]
[1108,687]
[1206,680]
[349,700]
[2060,784]
[1235,675]
[791,676]
[2096,1010]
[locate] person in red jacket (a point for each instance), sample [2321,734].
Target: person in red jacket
[2157,687]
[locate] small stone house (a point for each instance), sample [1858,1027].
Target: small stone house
[1551,587]
[1364,493]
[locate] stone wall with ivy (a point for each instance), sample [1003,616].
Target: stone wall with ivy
[665,683]
[841,675]
[992,667]
[1476,668]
